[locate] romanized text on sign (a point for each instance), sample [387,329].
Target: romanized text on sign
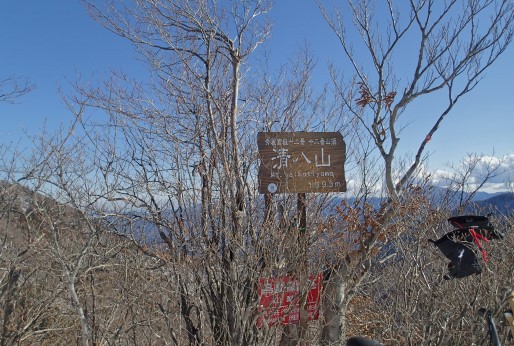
[299,162]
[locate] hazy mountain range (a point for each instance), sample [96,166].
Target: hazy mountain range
[501,202]
[481,203]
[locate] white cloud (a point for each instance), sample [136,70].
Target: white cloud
[353,186]
[450,176]
[499,172]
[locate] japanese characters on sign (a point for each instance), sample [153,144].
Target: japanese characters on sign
[299,162]
[279,300]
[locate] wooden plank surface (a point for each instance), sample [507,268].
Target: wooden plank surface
[301,162]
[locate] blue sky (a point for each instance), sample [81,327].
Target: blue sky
[50,42]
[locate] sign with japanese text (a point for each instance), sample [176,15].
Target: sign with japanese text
[299,162]
[279,300]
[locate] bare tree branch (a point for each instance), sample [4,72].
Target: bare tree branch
[13,87]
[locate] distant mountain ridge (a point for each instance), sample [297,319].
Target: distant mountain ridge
[480,195]
[502,202]
[481,202]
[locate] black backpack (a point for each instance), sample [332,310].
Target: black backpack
[462,245]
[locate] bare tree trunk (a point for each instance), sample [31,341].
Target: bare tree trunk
[334,306]
[80,312]
[9,290]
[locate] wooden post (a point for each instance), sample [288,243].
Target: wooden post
[267,204]
[303,272]
[295,334]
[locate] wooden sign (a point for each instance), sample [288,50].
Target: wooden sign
[300,162]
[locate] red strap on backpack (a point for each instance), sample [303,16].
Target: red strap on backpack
[477,237]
